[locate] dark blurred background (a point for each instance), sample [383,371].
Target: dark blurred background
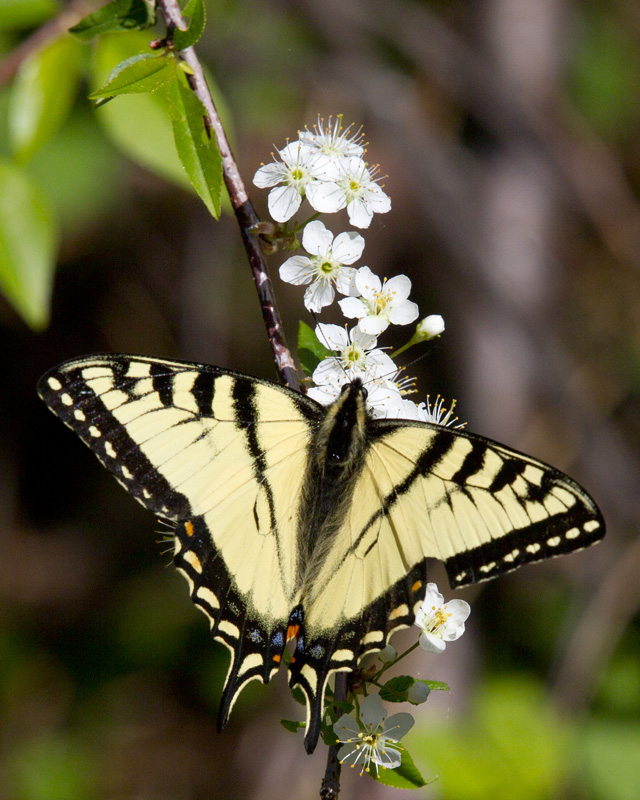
[508,130]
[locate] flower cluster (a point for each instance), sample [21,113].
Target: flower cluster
[325,166]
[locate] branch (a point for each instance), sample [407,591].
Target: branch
[330,788]
[245,214]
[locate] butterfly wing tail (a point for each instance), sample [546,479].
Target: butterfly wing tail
[341,650]
[256,651]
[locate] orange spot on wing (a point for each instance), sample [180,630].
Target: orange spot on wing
[277,658]
[188,526]
[292,632]
[417,585]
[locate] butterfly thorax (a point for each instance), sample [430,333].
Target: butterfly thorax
[333,470]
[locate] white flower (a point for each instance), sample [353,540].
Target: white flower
[357,356]
[326,265]
[350,183]
[440,622]
[380,305]
[374,739]
[300,168]
[332,140]
[430,327]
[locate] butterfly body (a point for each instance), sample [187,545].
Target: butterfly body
[296,521]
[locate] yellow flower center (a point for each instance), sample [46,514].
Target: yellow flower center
[439,619]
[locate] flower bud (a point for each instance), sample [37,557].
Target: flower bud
[430,326]
[418,693]
[388,654]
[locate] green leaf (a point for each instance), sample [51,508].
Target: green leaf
[138,124]
[406,776]
[299,696]
[311,351]
[138,75]
[198,153]
[395,690]
[328,736]
[196,13]
[437,686]
[291,725]
[118,15]
[42,95]
[28,240]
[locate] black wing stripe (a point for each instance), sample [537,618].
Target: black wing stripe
[508,472]
[439,447]
[162,382]
[203,391]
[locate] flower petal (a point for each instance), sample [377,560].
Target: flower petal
[283,202]
[316,239]
[328,373]
[398,725]
[431,643]
[269,175]
[352,307]
[367,282]
[372,712]
[318,295]
[294,152]
[346,281]
[377,200]
[388,757]
[403,313]
[296,270]
[332,336]
[326,197]
[372,325]
[399,286]
[325,395]
[348,754]
[360,214]
[348,247]
[363,340]
[346,727]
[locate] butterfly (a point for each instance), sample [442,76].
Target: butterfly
[293,520]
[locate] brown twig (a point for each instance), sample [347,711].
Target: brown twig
[243,209]
[330,788]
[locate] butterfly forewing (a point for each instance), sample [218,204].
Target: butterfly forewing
[479,507]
